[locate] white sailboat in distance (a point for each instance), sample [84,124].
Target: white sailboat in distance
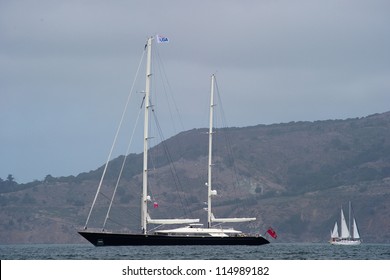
[348,235]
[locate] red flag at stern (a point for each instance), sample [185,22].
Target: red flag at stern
[272,233]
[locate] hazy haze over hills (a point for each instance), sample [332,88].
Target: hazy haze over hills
[293,177]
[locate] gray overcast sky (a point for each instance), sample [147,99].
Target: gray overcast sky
[66,68]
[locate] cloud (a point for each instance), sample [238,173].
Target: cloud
[67,67]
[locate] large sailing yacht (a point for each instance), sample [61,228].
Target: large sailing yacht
[192,234]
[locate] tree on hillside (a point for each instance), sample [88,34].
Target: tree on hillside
[10,179]
[9,182]
[49,179]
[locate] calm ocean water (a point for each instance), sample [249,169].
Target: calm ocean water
[294,251]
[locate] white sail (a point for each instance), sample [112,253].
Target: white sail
[171,221]
[344,227]
[231,220]
[335,232]
[355,232]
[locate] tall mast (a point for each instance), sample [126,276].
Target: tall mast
[209,193]
[349,220]
[144,204]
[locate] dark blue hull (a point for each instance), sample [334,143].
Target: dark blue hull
[125,239]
